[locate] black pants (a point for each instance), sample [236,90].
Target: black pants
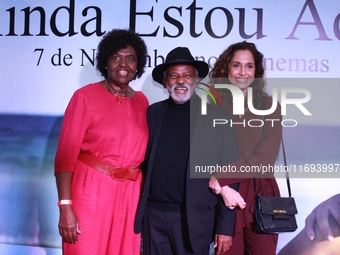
[166,233]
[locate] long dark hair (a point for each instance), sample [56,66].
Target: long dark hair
[220,73]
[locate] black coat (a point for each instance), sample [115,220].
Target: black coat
[209,146]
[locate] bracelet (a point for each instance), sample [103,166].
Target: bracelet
[65,202]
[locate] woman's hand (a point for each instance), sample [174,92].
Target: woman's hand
[68,224]
[214,185]
[230,196]
[68,221]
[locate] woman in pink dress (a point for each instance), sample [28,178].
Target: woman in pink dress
[101,145]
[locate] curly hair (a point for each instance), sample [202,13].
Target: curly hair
[220,73]
[116,40]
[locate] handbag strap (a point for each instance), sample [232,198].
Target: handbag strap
[285,164]
[284,161]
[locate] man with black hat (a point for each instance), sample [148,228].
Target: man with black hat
[176,212]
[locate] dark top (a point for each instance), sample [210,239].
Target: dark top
[208,146]
[168,177]
[253,153]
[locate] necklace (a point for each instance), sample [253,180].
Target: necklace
[118,94]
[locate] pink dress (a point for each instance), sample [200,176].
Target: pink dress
[116,133]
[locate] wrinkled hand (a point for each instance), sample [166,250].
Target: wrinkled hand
[68,224]
[222,243]
[230,196]
[321,215]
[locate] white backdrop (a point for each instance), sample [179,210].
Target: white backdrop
[30,83]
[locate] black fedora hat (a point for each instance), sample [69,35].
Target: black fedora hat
[179,55]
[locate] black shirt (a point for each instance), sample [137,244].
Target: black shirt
[168,176]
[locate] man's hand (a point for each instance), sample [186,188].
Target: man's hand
[222,243]
[230,196]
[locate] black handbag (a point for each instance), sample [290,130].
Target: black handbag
[275,214]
